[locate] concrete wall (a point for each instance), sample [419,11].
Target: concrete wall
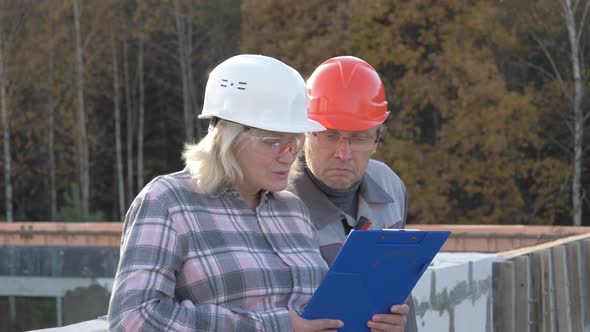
[455,294]
[78,278]
[464,238]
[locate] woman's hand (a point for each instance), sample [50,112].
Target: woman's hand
[313,325]
[394,322]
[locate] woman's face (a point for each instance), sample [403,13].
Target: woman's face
[265,158]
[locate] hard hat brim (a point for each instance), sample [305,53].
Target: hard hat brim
[343,121]
[286,127]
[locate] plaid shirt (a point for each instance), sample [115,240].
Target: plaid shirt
[194,262]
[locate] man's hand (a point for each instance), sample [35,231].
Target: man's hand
[394,322]
[314,325]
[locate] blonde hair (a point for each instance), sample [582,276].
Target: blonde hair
[211,162]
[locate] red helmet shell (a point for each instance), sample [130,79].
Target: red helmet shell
[346,93]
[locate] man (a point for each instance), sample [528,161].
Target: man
[341,185]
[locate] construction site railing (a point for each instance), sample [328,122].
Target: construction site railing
[543,288]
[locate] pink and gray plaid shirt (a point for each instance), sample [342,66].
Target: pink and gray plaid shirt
[194,262]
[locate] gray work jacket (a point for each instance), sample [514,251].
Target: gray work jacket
[383,201]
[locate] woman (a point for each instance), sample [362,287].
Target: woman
[220,246]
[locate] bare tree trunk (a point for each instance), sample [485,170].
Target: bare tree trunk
[163,111]
[83,139]
[51,139]
[578,112]
[184,57]
[6,131]
[117,102]
[191,82]
[140,117]
[576,123]
[130,123]
[7,163]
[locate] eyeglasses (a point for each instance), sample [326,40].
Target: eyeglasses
[356,143]
[277,146]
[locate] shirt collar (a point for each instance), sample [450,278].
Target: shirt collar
[232,192]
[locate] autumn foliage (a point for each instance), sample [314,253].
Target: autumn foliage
[469,147]
[480,127]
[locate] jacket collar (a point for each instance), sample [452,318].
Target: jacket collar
[321,209]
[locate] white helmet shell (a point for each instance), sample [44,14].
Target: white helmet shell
[260,92]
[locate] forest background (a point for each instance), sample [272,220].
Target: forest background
[489,99]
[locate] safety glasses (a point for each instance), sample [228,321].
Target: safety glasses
[356,143]
[277,146]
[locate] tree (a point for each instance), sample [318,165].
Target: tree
[190,35]
[83,136]
[469,141]
[463,141]
[574,34]
[140,116]
[117,109]
[51,138]
[129,107]
[49,34]
[553,54]
[302,34]
[184,33]
[91,38]
[48,88]
[11,22]
[6,136]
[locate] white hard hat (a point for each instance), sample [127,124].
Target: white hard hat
[258,91]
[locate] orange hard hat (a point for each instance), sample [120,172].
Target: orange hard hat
[346,93]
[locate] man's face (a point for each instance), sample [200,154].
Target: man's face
[339,158]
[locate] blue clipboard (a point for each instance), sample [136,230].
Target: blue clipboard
[374,270]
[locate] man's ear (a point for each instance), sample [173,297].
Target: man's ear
[375,148]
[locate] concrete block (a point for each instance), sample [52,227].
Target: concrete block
[454,294]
